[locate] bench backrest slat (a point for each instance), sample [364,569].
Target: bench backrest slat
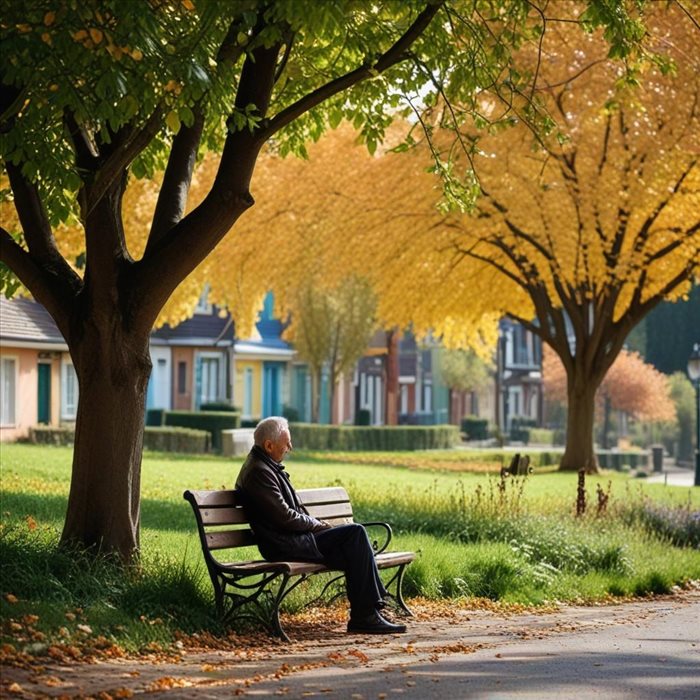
[332,494]
[214,498]
[339,521]
[331,510]
[228,539]
[223,516]
[218,508]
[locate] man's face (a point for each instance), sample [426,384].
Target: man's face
[277,449]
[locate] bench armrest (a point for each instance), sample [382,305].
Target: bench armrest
[386,534]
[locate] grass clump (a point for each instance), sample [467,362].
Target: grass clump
[65,591]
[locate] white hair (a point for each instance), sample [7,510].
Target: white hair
[270,429]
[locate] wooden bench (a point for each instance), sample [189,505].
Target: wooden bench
[256,588]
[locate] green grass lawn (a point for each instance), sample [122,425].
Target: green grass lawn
[476,536]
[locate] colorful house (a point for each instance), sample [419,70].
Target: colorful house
[38,384]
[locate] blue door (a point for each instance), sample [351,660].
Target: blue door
[272,388]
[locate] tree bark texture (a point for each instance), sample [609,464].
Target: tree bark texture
[579,452]
[113,369]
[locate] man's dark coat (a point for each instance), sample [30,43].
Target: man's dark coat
[282,526]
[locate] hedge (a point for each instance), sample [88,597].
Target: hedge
[176,440]
[219,406]
[540,436]
[154,438]
[621,460]
[520,429]
[308,436]
[213,421]
[475,428]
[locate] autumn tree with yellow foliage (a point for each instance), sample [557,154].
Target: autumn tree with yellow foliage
[331,328]
[576,235]
[589,232]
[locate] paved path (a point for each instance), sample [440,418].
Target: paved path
[673,476]
[634,651]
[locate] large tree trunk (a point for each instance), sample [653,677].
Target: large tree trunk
[113,368]
[579,452]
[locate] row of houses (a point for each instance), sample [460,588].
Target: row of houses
[201,362]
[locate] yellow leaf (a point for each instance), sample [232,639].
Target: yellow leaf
[49,18]
[96,35]
[173,121]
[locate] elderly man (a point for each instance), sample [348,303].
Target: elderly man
[285,531]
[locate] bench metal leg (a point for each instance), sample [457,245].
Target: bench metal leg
[397,597]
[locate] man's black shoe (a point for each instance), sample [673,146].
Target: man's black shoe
[374,623]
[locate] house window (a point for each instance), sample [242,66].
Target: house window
[427,398]
[69,392]
[404,398]
[8,393]
[210,379]
[181,377]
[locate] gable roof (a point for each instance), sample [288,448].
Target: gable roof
[201,329]
[24,321]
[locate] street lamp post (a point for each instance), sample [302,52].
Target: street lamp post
[694,374]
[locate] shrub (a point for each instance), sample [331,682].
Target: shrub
[212,421]
[51,435]
[362,417]
[678,524]
[291,414]
[541,436]
[475,428]
[187,440]
[520,429]
[155,416]
[309,436]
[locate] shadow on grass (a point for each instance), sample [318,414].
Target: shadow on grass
[155,514]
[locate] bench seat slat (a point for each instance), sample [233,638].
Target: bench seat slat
[293,568]
[388,559]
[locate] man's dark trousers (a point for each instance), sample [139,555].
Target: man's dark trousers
[348,548]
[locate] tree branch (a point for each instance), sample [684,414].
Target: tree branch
[177,179]
[122,156]
[392,56]
[47,289]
